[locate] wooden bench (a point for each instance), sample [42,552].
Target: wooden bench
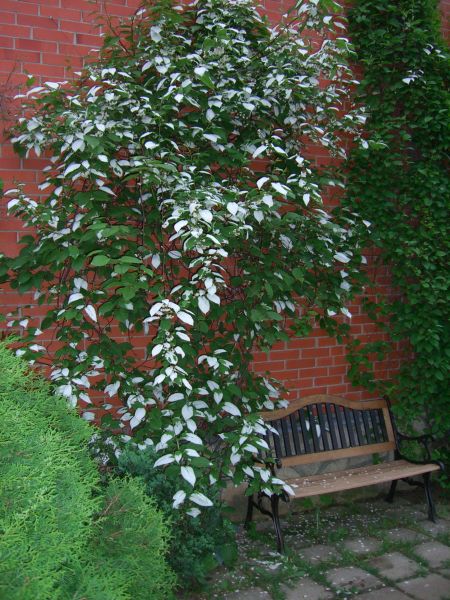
[327,428]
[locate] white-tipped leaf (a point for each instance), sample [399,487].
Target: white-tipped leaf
[188,474]
[200,499]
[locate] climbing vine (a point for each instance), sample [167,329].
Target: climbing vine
[181,226]
[399,182]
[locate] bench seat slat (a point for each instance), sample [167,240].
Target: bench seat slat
[307,459]
[353,478]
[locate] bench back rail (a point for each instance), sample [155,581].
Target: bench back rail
[323,427]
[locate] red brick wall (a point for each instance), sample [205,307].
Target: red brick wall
[47,38]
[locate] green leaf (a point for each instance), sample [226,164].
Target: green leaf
[100,260]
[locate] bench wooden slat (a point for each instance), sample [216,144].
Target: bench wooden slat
[350,421]
[334,439]
[359,477]
[301,413]
[345,440]
[307,459]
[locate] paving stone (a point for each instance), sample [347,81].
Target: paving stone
[307,588]
[251,594]
[363,545]
[401,534]
[435,553]
[384,594]
[435,529]
[319,553]
[394,566]
[405,512]
[431,587]
[352,578]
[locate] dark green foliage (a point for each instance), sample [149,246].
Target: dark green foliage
[400,184]
[61,535]
[198,544]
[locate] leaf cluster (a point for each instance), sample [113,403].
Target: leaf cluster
[181,225]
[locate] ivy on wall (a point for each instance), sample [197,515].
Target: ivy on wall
[399,182]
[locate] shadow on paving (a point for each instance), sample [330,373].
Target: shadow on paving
[367,549]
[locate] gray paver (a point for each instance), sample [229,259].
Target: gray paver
[435,529]
[363,545]
[402,534]
[352,577]
[319,553]
[435,553]
[384,594]
[395,566]
[250,594]
[432,587]
[400,512]
[307,588]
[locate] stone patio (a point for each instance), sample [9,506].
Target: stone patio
[367,550]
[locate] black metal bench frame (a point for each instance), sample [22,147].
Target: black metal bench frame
[326,428]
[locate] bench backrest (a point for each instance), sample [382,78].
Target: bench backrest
[322,427]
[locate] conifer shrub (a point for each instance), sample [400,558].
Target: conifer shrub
[61,534]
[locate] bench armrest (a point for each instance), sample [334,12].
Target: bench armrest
[422,439]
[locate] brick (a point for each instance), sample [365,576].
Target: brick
[36,45]
[53,36]
[6,42]
[273,365]
[302,343]
[7,66]
[70,50]
[54,12]
[15,31]
[315,352]
[25,7]
[56,59]
[19,55]
[82,28]
[48,72]
[35,21]
[85,39]
[7,17]
[329,380]
[48,2]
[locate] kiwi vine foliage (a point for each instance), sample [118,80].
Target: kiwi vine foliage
[400,183]
[180,203]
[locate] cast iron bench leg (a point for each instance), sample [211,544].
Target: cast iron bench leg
[429,497]
[390,496]
[274,501]
[249,516]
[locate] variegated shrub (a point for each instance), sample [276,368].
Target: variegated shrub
[181,211]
